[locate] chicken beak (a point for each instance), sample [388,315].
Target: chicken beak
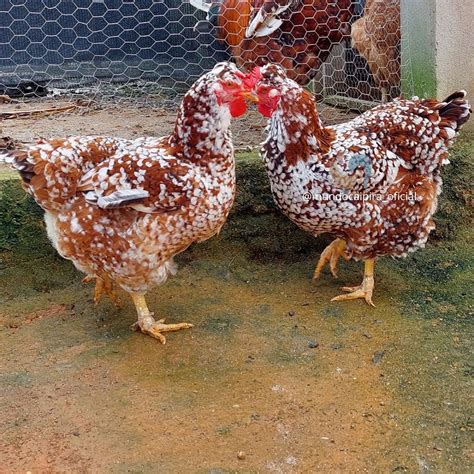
[249,95]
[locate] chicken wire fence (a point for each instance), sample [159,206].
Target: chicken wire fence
[149,52]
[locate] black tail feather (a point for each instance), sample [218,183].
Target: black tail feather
[456,95]
[456,109]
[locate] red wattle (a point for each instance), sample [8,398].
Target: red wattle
[264,110]
[237,107]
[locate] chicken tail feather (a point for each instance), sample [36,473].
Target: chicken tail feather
[455,109]
[18,160]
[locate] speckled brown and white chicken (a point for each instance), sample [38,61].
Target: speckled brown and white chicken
[297,34]
[374,182]
[122,209]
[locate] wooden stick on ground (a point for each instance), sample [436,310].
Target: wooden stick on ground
[12,114]
[6,99]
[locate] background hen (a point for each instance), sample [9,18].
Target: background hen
[373,182]
[297,34]
[376,36]
[122,209]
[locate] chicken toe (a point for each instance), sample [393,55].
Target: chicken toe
[364,290]
[358,293]
[148,325]
[331,254]
[103,285]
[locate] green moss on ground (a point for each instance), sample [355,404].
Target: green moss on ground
[7,173]
[255,223]
[456,208]
[22,232]
[441,281]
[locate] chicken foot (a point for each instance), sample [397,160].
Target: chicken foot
[331,255]
[150,326]
[364,290]
[103,285]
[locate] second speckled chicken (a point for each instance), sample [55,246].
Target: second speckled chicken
[373,182]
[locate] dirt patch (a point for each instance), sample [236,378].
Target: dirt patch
[212,392]
[54,311]
[271,370]
[132,121]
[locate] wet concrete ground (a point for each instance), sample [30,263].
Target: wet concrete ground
[272,378]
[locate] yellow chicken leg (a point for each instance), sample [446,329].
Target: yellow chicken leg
[331,255]
[148,325]
[363,291]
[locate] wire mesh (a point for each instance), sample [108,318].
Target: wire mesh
[149,52]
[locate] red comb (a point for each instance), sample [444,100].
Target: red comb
[252,77]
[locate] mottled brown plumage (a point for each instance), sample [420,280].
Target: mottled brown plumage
[373,182]
[120,209]
[377,38]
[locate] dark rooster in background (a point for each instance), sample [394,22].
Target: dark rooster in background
[296,34]
[373,182]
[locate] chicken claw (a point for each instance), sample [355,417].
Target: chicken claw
[362,291]
[103,285]
[331,255]
[147,325]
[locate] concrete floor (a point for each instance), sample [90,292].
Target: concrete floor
[272,378]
